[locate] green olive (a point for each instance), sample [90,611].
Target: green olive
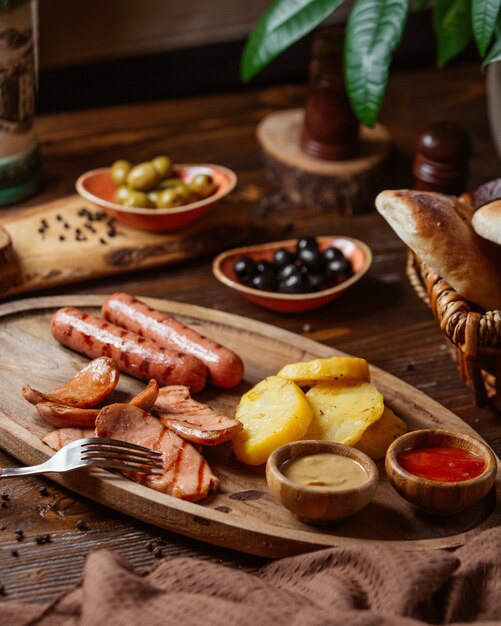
[169,198]
[202,185]
[169,183]
[119,171]
[163,165]
[153,195]
[138,200]
[143,177]
[184,191]
[122,193]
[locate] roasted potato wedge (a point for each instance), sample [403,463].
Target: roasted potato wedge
[343,412]
[377,438]
[336,368]
[273,413]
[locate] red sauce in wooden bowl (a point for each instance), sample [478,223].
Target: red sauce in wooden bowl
[442,463]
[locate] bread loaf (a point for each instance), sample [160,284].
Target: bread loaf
[429,223]
[487,221]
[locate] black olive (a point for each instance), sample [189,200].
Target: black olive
[309,243]
[244,269]
[287,271]
[292,284]
[333,254]
[337,271]
[315,282]
[283,257]
[312,259]
[264,282]
[263,267]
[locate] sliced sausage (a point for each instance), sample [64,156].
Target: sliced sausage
[225,368]
[193,420]
[187,474]
[145,399]
[91,385]
[58,438]
[133,354]
[64,416]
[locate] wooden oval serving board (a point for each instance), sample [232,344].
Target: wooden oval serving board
[242,515]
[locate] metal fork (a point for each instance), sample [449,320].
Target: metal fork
[95,452]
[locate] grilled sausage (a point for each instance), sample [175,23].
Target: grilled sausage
[193,420]
[58,438]
[146,398]
[87,388]
[133,354]
[66,416]
[225,368]
[186,474]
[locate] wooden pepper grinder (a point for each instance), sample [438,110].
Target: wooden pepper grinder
[330,129]
[441,162]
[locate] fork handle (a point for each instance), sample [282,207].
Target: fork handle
[8,472]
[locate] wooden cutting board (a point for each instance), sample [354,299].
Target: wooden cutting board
[55,243]
[242,515]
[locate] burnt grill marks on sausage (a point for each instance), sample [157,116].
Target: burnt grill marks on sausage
[177,463]
[224,366]
[143,359]
[144,367]
[88,340]
[126,359]
[200,476]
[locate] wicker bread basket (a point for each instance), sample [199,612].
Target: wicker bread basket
[474,338]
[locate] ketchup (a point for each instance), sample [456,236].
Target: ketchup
[443,463]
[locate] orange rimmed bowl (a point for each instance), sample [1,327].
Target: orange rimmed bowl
[357,252]
[97,187]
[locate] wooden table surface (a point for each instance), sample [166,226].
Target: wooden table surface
[381,318]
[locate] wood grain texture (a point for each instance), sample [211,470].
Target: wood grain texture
[341,186]
[380,318]
[56,244]
[258,525]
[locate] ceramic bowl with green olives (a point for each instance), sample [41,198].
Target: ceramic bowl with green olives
[156,194]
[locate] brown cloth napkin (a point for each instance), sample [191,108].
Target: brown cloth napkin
[361,586]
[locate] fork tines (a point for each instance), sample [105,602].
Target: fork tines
[121,455]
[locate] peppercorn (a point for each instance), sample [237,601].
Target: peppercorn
[81,525]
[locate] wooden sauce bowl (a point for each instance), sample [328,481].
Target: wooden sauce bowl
[319,505]
[440,498]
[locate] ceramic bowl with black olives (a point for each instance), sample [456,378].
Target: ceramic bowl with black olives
[296,275]
[156,195]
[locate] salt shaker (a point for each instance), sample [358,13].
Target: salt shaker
[442,158]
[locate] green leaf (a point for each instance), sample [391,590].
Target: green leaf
[419,5]
[484,14]
[281,25]
[452,26]
[494,53]
[374,30]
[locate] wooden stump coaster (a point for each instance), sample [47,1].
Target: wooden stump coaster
[345,187]
[57,243]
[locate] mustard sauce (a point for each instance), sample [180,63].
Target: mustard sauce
[325,471]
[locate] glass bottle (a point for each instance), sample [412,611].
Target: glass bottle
[19,156]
